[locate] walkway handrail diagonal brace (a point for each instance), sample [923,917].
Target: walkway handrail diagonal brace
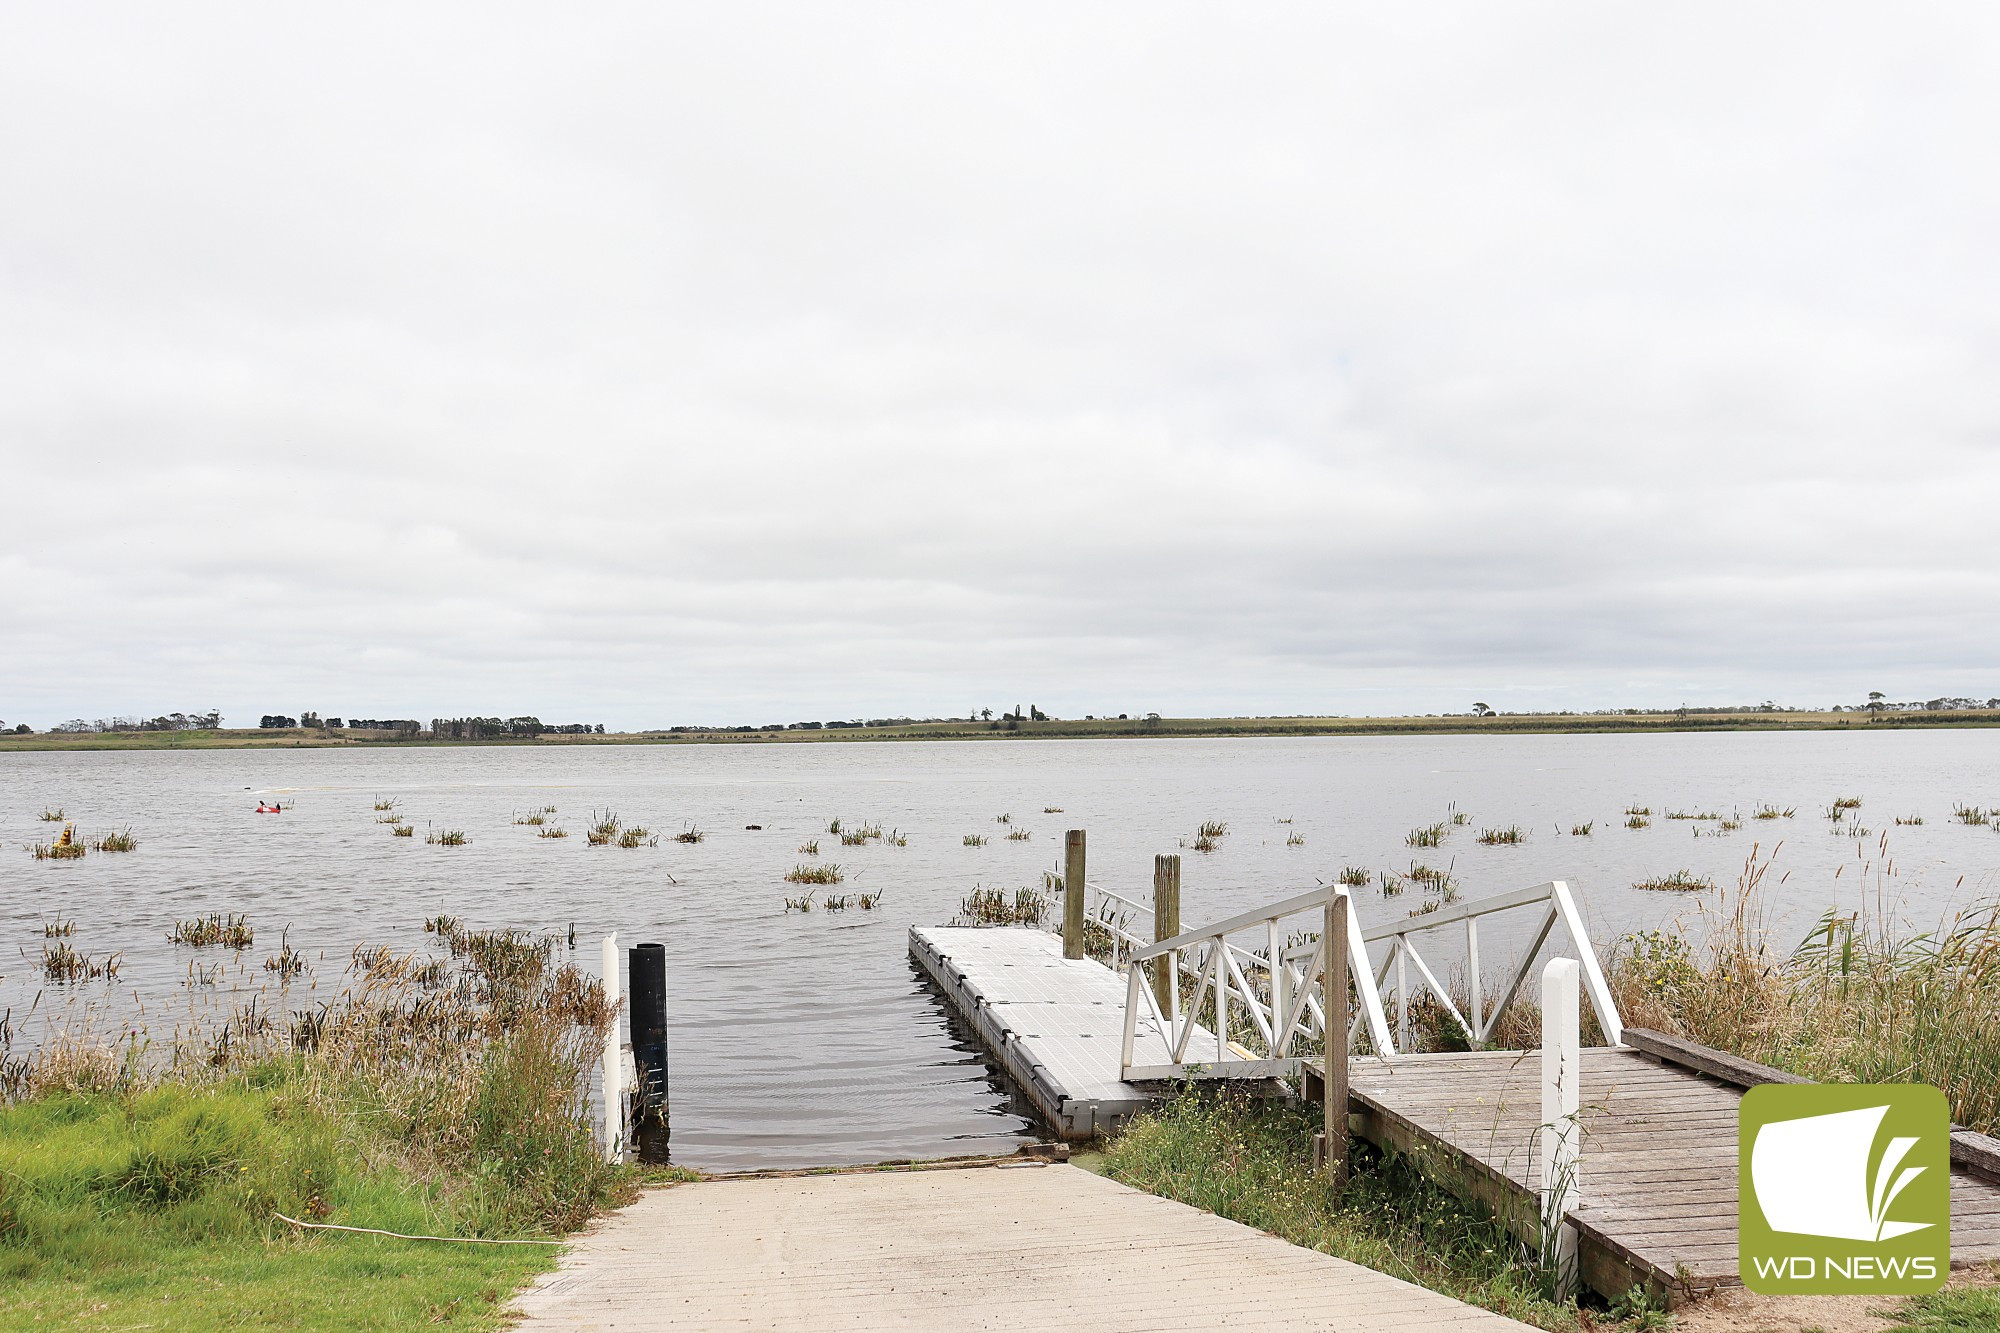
[1282,1012]
[1479,1020]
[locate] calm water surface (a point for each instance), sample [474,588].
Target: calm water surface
[807,1039]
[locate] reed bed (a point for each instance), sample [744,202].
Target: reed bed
[56,928]
[387,802]
[603,828]
[446,838]
[1429,835]
[1052,809]
[58,851]
[1859,1000]
[1774,812]
[1204,843]
[1972,814]
[810,847]
[690,834]
[1680,881]
[1639,811]
[1295,839]
[390,819]
[403,831]
[1511,836]
[998,907]
[974,840]
[1003,819]
[827,872]
[638,836]
[1355,877]
[1212,828]
[867,901]
[1018,835]
[1582,830]
[552,831]
[801,904]
[1637,821]
[53,816]
[216,930]
[63,964]
[120,841]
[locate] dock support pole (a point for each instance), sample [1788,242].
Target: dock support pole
[1333,980]
[1562,1125]
[1166,925]
[650,1121]
[614,1058]
[1074,884]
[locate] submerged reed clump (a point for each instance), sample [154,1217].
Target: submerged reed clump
[1295,839]
[1768,811]
[389,819]
[1052,809]
[63,963]
[603,828]
[1582,830]
[689,834]
[1392,884]
[801,904]
[52,816]
[1212,828]
[636,836]
[1847,802]
[58,928]
[1432,880]
[827,872]
[387,802]
[996,907]
[287,962]
[1003,819]
[810,847]
[1355,877]
[121,841]
[1511,836]
[1681,881]
[1018,835]
[1972,814]
[837,902]
[866,901]
[1908,820]
[446,837]
[58,851]
[1639,811]
[403,831]
[1637,821]
[230,931]
[974,840]
[1429,835]
[552,831]
[1204,843]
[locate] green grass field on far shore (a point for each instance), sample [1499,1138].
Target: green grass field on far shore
[1053,729]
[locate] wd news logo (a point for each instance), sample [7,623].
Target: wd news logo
[1844,1188]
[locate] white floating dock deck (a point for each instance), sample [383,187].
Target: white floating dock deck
[1055,1024]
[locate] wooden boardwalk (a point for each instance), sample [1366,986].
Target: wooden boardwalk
[1051,1248]
[1659,1164]
[1055,1024]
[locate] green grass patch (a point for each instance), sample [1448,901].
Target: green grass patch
[1965,1310]
[158,1209]
[1250,1161]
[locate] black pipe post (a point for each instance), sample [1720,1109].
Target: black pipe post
[648,999]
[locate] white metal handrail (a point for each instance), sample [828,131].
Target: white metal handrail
[1479,1026]
[1118,916]
[1283,1013]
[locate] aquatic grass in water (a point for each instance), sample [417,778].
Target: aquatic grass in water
[403,831]
[1639,811]
[996,907]
[55,816]
[552,831]
[121,841]
[1972,814]
[63,964]
[827,872]
[1212,828]
[690,834]
[1018,835]
[801,904]
[446,838]
[1637,821]
[866,901]
[1430,835]
[1510,836]
[1847,802]
[1681,881]
[231,931]
[603,828]
[59,928]
[1204,843]
[1295,839]
[388,819]
[58,851]
[637,836]
[1052,809]
[975,840]
[1582,830]
[809,847]
[1773,812]
[1354,877]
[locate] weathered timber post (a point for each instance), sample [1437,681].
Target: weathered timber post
[650,1120]
[1166,925]
[1333,1004]
[1073,888]
[1562,1125]
[614,1058]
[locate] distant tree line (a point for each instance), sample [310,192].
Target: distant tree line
[208,721]
[500,728]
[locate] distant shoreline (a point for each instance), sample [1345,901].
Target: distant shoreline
[1060,729]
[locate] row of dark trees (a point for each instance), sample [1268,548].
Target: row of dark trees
[498,728]
[208,721]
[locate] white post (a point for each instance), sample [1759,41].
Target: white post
[1562,1125]
[614,1058]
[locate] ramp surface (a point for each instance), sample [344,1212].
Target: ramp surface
[1051,1248]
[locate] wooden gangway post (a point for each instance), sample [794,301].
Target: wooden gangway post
[1073,891]
[1333,1004]
[1562,1125]
[614,1059]
[1166,925]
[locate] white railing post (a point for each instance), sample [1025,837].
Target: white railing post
[1562,1125]
[614,1058]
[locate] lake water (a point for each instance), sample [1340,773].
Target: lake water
[805,1039]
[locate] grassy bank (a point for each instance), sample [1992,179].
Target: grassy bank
[144,1186]
[1861,1000]
[1250,1161]
[1056,729]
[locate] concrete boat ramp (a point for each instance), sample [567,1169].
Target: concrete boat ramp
[1051,1248]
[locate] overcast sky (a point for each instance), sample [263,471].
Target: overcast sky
[738,363]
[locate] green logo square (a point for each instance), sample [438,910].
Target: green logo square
[1844,1187]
